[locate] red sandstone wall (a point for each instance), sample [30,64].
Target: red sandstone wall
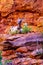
[30,10]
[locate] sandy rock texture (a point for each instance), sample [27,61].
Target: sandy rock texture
[30,11]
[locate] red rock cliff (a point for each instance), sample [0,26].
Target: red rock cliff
[30,10]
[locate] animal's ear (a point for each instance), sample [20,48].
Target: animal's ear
[19,21]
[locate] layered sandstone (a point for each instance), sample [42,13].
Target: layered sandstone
[23,49]
[21,5]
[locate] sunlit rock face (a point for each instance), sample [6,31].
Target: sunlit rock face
[30,5]
[6,6]
[31,11]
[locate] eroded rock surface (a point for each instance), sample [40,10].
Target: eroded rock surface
[32,5]
[31,11]
[22,48]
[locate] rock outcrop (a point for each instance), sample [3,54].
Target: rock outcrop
[31,11]
[21,5]
[22,49]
